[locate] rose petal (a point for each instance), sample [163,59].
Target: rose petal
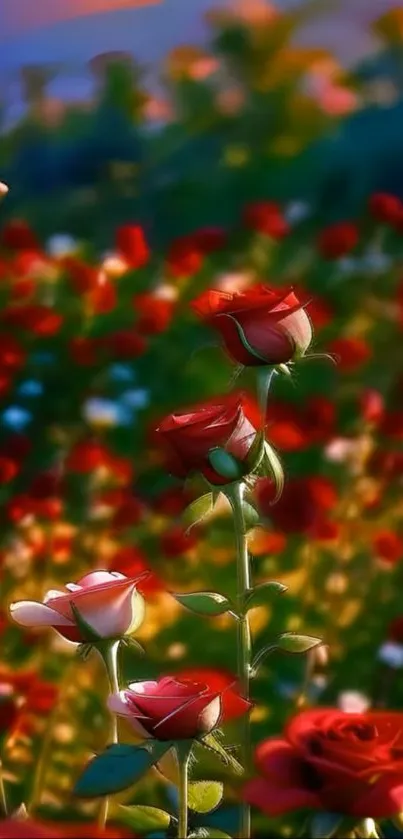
[275,801]
[31,613]
[383,800]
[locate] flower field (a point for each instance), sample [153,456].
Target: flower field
[201,446]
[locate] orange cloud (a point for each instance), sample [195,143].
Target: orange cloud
[18,16]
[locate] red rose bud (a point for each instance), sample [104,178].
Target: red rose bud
[132,246]
[175,709]
[325,761]
[266,217]
[259,326]
[385,208]
[338,240]
[214,440]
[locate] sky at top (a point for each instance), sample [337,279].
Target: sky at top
[147,28]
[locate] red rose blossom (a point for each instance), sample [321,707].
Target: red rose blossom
[175,709]
[260,326]
[193,436]
[338,240]
[330,760]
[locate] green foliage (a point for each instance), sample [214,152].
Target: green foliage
[145,820]
[118,768]
[208,603]
[205,796]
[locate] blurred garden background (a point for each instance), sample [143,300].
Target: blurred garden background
[243,143]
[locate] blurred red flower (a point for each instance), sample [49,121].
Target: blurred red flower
[351,353]
[267,218]
[126,344]
[385,207]
[17,235]
[8,470]
[338,240]
[154,314]
[325,761]
[184,258]
[372,405]
[210,239]
[302,505]
[177,541]
[12,355]
[132,562]
[132,245]
[388,546]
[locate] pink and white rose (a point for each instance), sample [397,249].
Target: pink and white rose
[106,601]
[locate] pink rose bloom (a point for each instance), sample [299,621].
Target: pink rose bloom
[108,602]
[177,708]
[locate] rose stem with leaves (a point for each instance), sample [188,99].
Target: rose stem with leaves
[108,650]
[235,494]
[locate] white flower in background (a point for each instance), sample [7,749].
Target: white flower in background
[61,244]
[164,291]
[353,702]
[113,265]
[3,189]
[101,412]
[391,654]
[234,282]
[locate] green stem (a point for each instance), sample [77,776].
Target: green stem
[183,763]
[235,496]
[108,650]
[3,797]
[265,376]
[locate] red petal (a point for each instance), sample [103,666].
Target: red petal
[273,800]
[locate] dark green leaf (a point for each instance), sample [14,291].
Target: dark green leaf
[205,602]
[324,825]
[212,743]
[205,796]
[289,642]
[198,509]
[117,768]
[262,593]
[146,819]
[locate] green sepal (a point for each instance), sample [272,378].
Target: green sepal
[225,464]
[290,642]
[87,633]
[198,510]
